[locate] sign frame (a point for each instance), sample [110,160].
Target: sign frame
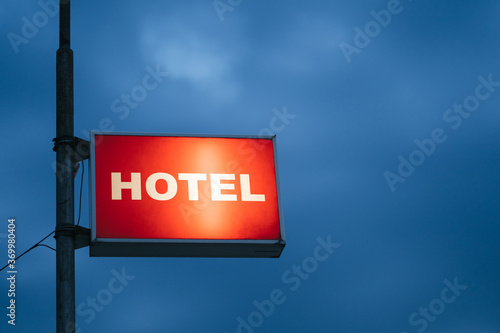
[198,248]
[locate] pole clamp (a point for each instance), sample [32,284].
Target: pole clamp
[81,234]
[78,148]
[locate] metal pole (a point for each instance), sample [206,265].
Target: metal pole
[64,146]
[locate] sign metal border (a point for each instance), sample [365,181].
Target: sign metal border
[125,247]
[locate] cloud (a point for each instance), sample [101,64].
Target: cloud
[193,52]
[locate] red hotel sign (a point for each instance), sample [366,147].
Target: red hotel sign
[184,196]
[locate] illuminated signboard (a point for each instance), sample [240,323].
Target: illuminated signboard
[156,195]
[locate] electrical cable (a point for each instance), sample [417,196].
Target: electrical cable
[50,247]
[28,250]
[38,244]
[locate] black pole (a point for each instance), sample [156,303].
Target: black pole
[64,146]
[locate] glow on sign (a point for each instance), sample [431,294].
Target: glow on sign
[213,193]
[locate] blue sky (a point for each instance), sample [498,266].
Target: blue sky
[391,153]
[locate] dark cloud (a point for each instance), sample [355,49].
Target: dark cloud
[353,120]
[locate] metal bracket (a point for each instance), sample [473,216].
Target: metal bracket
[79,148]
[82,235]
[82,238]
